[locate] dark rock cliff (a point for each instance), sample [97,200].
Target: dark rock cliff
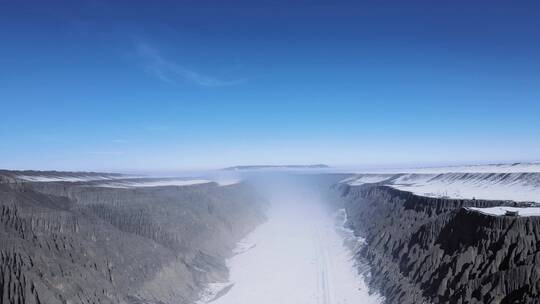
[69,243]
[434,250]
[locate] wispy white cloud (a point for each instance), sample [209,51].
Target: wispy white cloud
[171,72]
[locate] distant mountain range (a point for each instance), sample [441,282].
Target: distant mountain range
[259,167]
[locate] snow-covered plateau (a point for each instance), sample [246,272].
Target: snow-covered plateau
[518,182]
[152,183]
[121,181]
[496,185]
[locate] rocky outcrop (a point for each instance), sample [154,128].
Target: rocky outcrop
[66,242]
[435,250]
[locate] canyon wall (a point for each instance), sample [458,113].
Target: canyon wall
[64,242]
[435,250]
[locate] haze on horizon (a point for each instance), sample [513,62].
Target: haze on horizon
[126,85]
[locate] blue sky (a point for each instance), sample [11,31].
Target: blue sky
[168,85]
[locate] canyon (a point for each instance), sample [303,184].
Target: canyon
[266,237]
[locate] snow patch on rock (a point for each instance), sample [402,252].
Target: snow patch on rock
[501,210]
[153,183]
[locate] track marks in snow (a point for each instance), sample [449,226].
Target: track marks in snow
[297,257]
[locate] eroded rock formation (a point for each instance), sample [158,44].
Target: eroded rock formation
[434,250]
[65,242]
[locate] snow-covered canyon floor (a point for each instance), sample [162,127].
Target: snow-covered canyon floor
[296,257]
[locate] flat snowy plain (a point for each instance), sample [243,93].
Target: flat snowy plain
[296,257]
